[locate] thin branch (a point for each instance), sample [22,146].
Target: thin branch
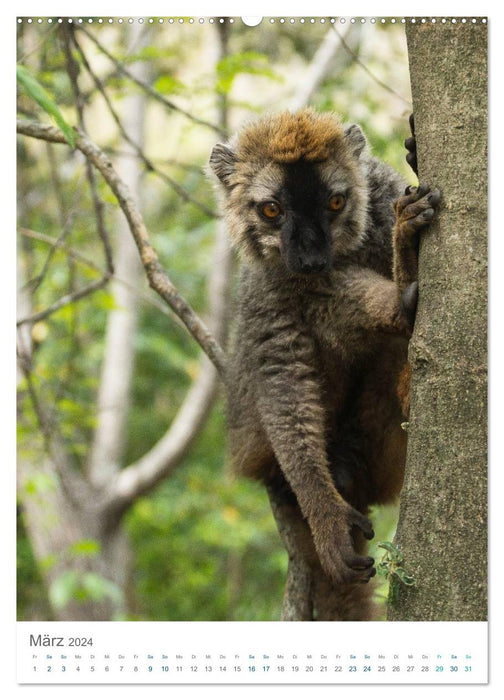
[73,71]
[74,486]
[147,88]
[77,256]
[57,187]
[58,244]
[163,458]
[66,224]
[148,163]
[366,69]
[317,70]
[190,167]
[34,283]
[158,279]
[65,300]
[222,98]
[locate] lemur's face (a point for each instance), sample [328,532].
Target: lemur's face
[303,206]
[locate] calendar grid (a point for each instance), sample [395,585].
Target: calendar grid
[252,653]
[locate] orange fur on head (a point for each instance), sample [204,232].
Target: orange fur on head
[288,137]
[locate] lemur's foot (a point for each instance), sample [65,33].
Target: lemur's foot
[410,144]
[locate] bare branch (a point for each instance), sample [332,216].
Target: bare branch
[366,69]
[34,283]
[73,70]
[59,244]
[161,460]
[148,89]
[76,256]
[190,167]
[158,279]
[75,487]
[148,163]
[317,70]
[65,300]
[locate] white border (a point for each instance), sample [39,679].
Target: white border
[229,8]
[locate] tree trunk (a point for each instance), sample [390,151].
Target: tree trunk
[118,357]
[442,525]
[81,562]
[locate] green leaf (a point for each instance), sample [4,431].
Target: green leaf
[167,84]
[382,569]
[62,589]
[150,53]
[387,546]
[404,577]
[249,62]
[393,591]
[46,563]
[40,484]
[394,552]
[35,90]
[99,588]
[71,585]
[85,548]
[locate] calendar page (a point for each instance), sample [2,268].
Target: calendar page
[256,653]
[251,349]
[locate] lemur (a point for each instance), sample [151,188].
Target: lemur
[317,383]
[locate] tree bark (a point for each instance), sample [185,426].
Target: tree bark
[442,525]
[59,529]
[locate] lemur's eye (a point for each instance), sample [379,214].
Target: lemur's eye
[270,210]
[337,202]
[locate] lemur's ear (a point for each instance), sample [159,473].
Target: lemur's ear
[222,162]
[356,139]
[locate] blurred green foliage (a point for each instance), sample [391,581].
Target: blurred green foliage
[212,542]
[204,543]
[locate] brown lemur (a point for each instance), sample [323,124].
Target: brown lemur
[327,296]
